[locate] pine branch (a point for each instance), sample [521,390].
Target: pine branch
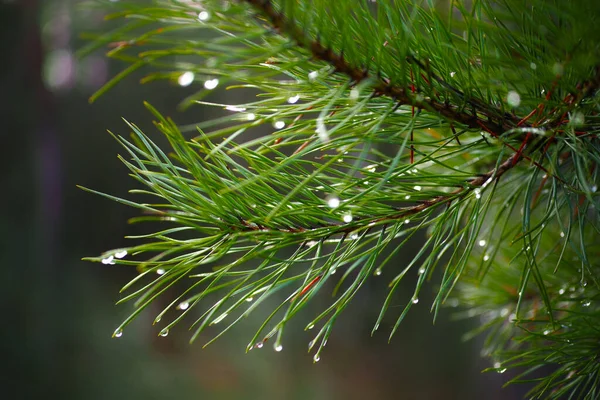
[387,137]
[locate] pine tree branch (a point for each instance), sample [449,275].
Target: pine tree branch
[496,122]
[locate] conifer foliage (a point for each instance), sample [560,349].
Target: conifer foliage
[472,121]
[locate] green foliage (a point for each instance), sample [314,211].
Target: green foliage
[475,122]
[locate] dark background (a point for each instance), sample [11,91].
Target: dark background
[58,312]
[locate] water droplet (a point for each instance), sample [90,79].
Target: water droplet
[164,332]
[407,197]
[594,189]
[586,303]
[414,170]
[415,300]
[418,187]
[259,345]
[250,117]
[278,347]
[533,66]
[477,193]
[313,75]
[118,333]
[219,318]
[354,93]
[347,218]
[293,99]
[547,332]
[183,305]
[203,15]
[354,236]
[378,272]
[316,358]
[562,234]
[279,124]
[121,254]
[332,271]
[333,201]
[561,291]
[452,74]
[497,365]
[407,221]
[501,371]
[160,271]
[108,260]
[157,319]
[513,99]
[186,79]
[311,326]
[211,84]
[249,299]
[421,270]
[482,243]
[486,257]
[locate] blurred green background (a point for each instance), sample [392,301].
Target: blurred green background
[58,311]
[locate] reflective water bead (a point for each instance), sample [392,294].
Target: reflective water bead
[203,15]
[160,271]
[513,99]
[121,254]
[164,332]
[183,305]
[211,84]
[482,243]
[347,218]
[333,202]
[186,79]
[293,99]
[118,333]
[278,347]
[415,300]
[316,358]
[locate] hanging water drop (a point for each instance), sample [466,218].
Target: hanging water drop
[354,236]
[482,243]
[586,303]
[452,74]
[378,272]
[407,221]
[279,125]
[354,93]
[183,305]
[164,332]
[186,79]
[407,197]
[333,201]
[421,270]
[415,300]
[562,234]
[486,257]
[332,271]
[250,117]
[513,99]
[249,299]
[278,347]
[203,15]
[121,254]
[118,333]
[211,84]
[160,271]
[316,358]
[547,332]
[313,75]
[418,188]
[293,99]
[347,218]
[311,326]
[108,260]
